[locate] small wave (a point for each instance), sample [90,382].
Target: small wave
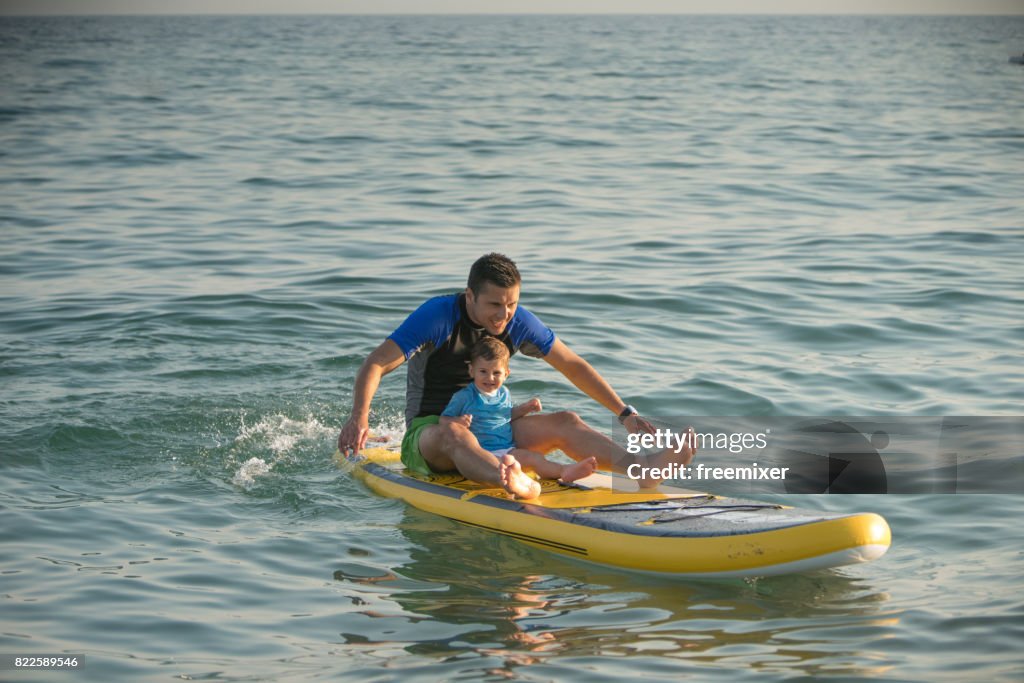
[304,182]
[11,113]
[333,140]
[131,160]
[70,63]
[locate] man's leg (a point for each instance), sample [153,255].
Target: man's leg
[453,447]
[568,433]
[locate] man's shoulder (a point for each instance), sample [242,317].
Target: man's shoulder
[442,303]
[529,335]
[431,323]
[526,319]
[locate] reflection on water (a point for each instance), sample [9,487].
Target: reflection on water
[464,592]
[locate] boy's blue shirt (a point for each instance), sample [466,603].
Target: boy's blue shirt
[492,415]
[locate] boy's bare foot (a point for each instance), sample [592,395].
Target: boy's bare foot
[514,480]
[583,468]
[668,457]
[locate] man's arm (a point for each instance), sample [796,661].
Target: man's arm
[380,362]
[583,375]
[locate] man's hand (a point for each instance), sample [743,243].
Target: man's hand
[380,362]
[635,424]
[353,436]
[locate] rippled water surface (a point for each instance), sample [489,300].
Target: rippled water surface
[208,222]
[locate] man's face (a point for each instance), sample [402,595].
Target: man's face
[494,308]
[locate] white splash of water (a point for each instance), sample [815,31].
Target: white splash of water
[282,434]
[246,475]
[286,439]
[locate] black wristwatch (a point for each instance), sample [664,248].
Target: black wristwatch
[626,412]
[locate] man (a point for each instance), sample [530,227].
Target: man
[436,339]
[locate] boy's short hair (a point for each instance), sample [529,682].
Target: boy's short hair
[490,348]
[497,269]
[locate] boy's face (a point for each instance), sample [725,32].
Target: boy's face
[488,375]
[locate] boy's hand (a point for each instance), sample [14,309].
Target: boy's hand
[532,406]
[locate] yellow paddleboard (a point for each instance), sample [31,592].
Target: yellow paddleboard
[669,531]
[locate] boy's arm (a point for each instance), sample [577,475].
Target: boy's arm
[455,411]
[523,409]
[380,362]
[464,420]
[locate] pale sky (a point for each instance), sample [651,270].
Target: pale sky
[22,7]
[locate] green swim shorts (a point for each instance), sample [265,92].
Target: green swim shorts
[411,456]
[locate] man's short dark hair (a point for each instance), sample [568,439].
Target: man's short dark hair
[497,269]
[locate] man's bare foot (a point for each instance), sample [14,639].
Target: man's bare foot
[583,468]
[668,457]
[514,480]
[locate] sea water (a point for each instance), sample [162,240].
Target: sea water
[207,223]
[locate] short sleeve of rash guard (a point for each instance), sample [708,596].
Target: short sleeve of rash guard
[431,323]
[530,336]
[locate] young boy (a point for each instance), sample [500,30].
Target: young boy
[485,406]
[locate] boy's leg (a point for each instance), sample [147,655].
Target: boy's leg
[579,470]
[547,469]
[535,462]
[453,447]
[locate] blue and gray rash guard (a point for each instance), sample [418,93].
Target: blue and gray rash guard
[436,339]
